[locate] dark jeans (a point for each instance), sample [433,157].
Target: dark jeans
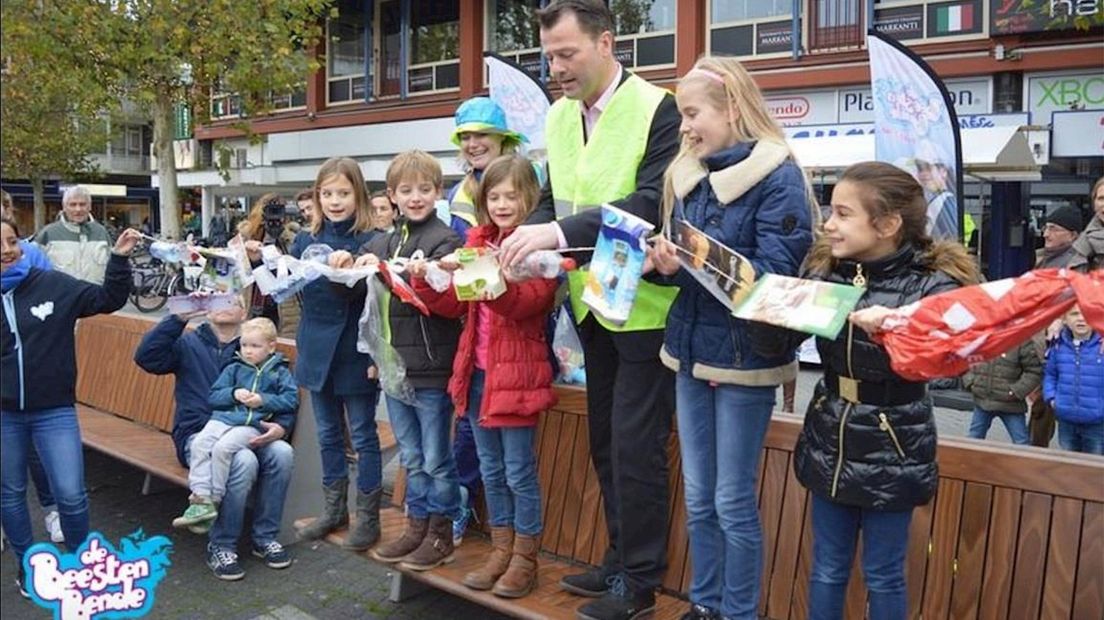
[630,402]
[466,456]
[330,412]
[884,545]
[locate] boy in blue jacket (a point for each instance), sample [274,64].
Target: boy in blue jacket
[253,391]
[1073,384]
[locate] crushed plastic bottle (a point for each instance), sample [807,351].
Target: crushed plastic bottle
[167,251]
[542,264]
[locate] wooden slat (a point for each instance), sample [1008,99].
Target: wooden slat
[799,603]
[1004,530]
[1061,566]
[1031,555]
[916,565]
[546,457]
[1089,591]
[678,540]
[789,545]
[973,534]
[770,511]
[558,490]
[146,447]
[578,464]
[941,563]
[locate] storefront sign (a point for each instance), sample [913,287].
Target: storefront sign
[97,190]
[970,97]
[1050,93]
[901,23]
[809,108]
[969,121]
[183,121]
[1077,134]
[774,37]
[184,154]
[950,19]
[1018,16]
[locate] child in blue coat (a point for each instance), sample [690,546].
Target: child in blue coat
[1073,384]
[252,392]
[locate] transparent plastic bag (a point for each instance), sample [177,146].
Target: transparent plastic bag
[370,340]
[568,349]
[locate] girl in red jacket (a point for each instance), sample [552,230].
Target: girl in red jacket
[502,378]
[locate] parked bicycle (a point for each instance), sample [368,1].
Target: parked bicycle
[155,282]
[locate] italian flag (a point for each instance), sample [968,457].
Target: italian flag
[954,18]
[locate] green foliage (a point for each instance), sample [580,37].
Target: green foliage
[52,117]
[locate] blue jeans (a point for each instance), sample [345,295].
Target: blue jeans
[41,481]
[1077,437]
[884,545]
[269,469]
[721,430]
[1014,423]
[55,434]
[467,458]
[509,467]
[422,431]
[330,411]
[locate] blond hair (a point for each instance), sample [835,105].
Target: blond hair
[518,171]
[261,326]
[730,88]
[350,169]
[414,164]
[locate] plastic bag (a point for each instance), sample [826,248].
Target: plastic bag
[942,335]
[370,340]
[568,349]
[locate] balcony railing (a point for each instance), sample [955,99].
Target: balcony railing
[114,163]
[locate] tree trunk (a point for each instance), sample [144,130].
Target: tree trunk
[166,166]
[39,203]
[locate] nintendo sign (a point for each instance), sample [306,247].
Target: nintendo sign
[812,108]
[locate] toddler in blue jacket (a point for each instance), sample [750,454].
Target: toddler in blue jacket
[1073,384]
[248,394]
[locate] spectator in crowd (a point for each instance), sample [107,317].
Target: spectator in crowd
[1000,387]
[1059,233]
[383,211]
[38,386]
[76,244]
[1074,385]
[305,201]
[1088,249]
[255,235]
[195,358]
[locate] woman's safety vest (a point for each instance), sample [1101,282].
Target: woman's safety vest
[602,169]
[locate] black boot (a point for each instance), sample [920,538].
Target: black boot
[366,529]
[335,512]
[623,601]
[592,583]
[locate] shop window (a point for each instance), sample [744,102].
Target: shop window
[229,105]
[837,24]
[512,30]
[750,27]
[432,60]
[645,32]
[346,54]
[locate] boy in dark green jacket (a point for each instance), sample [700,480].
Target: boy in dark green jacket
[1000,387]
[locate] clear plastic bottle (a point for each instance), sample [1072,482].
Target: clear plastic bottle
[542,264]
[166,251]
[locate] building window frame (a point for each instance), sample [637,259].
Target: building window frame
[352,81]
[756,24]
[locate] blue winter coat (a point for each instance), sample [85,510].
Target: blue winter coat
[1074,379]
[327,336]
[195,358]
[272,380]
[755,203]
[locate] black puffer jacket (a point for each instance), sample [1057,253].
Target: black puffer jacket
[427,344]
[879,453]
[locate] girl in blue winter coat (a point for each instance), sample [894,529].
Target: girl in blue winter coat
[734,179]
[38,386]
[1073,384]
[341,380]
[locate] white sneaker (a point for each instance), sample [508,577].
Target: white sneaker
[53,526]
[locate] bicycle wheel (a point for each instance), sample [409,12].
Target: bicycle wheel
[151,296]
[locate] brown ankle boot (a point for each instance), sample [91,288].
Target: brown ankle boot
[395,550]
[502,539]
[521,576]
[436,548]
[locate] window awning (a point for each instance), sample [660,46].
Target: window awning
[988,153]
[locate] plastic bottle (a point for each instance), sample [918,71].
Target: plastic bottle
[166,251]
[542,264]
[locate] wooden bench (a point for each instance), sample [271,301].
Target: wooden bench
[126,412]
[1014,532]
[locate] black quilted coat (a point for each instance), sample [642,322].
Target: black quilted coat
[879,453]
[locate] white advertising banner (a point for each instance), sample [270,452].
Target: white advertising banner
[1077,134]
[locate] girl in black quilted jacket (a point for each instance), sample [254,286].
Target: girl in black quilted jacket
[867,450]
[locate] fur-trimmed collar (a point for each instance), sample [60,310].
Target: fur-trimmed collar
[733,181]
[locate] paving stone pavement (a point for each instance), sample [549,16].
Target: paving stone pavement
[324,582]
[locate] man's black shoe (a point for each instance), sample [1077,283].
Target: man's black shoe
[593,583]
[620,603]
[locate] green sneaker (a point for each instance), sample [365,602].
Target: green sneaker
[200,512]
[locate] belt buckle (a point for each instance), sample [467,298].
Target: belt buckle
[849,389]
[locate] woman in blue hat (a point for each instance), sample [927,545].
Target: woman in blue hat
[482,135]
